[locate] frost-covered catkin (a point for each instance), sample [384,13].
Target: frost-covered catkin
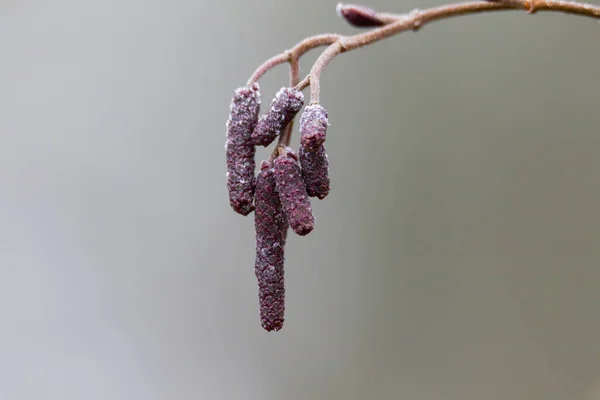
[271,229]
[292,192]
[313,126]
[239,149]
[315,171]
[284,107]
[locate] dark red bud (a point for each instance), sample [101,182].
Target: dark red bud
[239,149]
[283,109]
[359,16]
[292,193]
[315,171]
[271,229]
[313,126]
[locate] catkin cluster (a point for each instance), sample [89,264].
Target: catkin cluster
[280,194]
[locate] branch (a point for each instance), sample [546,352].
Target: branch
[295,52]
[417,18]
[389,25]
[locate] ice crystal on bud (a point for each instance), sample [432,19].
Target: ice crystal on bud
[292,193]
[271,229]
[313,126]
[315,171]
[239,149]
[283,109]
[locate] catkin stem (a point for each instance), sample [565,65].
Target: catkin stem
[294,53]
[286,135]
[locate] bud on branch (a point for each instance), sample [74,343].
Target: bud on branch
[359,16]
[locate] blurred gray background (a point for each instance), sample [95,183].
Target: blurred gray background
[457,256]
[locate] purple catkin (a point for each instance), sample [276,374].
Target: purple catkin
[292,193]
[313,126]
[283,109]
[315,171]
[239,149]
[271,229]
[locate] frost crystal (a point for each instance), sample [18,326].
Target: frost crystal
[313,126]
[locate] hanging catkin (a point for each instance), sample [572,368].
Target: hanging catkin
[239,149]
[271,228]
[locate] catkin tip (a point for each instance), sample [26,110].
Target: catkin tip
[315,171]
[292,193]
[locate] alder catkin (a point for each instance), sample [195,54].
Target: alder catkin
[292,193]
[271,229]
[239,149]
[284,107]
[315,171]
[313,126]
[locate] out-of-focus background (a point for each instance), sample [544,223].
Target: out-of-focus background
[457,256]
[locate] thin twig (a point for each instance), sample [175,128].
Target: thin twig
[286,135]
[417,18]
[297,51]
